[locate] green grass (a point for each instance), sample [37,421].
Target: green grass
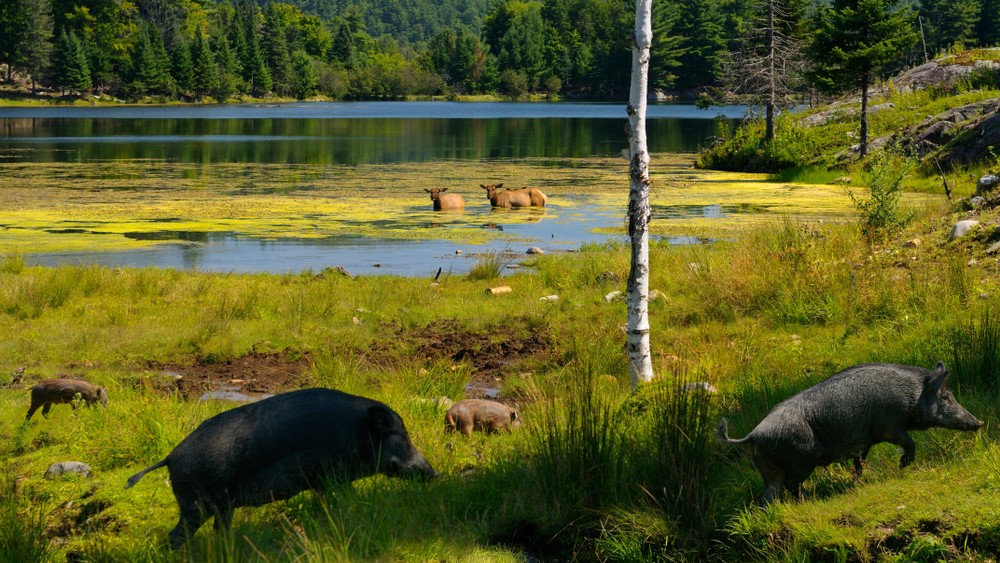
[598,472]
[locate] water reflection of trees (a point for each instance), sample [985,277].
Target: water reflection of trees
[337,141]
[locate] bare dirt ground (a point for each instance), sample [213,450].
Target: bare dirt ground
[493,353]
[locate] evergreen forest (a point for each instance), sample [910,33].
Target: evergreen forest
[222,50]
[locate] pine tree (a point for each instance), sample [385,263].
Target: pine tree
[279,60]
[150,64]
[72,71]
[702,24]
[206,72]
[255,72]
[306,80]
[668,45]
[229,68]
[988,27]
[854,41]
[181,66]
[35,53]
[949,22]
[13,16]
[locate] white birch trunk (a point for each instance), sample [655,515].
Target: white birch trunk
[640,362]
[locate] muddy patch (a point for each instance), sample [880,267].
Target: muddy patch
[494,353]
[250,377]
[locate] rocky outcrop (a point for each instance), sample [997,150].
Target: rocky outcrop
[959,135]
[944,72]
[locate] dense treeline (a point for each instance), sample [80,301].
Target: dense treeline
[341,49]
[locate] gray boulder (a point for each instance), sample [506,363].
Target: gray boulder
[64,467]
[962,228]
[987,183]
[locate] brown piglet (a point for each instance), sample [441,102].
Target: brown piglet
[58,391]
[479,414]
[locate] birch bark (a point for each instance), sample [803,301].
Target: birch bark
[640,362]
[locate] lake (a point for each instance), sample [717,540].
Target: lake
[163,171]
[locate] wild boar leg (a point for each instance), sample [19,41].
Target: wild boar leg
[903,440]
[774,479]
[45,409]
[191,519]
[31,411]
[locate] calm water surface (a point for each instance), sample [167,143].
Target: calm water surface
[337,134]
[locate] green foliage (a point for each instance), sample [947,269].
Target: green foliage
[880,213]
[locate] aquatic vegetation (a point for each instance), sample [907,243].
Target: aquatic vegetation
[99,206]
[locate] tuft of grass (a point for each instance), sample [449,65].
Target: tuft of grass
[22,528]
[489,266]
[975,354]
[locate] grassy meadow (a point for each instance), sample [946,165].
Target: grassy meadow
[599,472]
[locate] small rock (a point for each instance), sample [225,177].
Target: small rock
[912,243]
[62,467]
[972,262]
[535,250]
[977,201]
[962,228]
[703,386]
[498,290]
[458,252]
[549,298]
[994,248]
[987,183]
[614,296]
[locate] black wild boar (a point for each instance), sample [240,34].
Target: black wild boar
[58,391]
[478,414]
[272,449]
[843,416]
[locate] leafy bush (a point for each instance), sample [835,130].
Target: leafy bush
[881,215]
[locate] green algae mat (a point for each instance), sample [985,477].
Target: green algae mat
[135,204]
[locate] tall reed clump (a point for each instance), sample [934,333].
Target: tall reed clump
[22,529]
[489,266]
[678,447]
[975,354]
[631,473]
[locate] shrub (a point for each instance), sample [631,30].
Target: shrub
[880,213]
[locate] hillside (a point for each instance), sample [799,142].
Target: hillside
[942,113]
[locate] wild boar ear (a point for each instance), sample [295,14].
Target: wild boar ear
[938,378]
[499,186]
[426,190]
[444,190]
[381,418]
[484,187]
[513,415]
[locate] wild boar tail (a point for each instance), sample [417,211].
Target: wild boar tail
[722,433]
[135,478]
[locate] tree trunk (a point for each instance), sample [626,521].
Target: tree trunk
[639,360]
[863,149]
[772,86]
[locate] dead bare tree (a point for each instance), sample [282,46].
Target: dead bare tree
[768,63]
